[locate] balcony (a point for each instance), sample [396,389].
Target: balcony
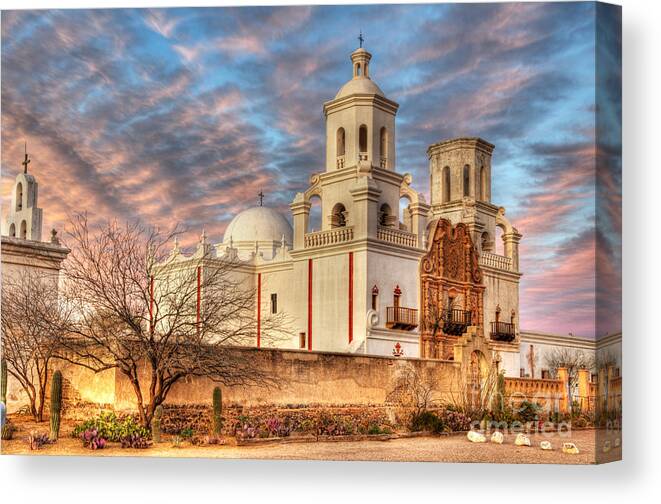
[330,237]
[397,236]
[455,322]
[502,331]
[496,261]
[401,318]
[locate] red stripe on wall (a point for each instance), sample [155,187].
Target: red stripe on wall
[259,310]
[309,305]
[350,297]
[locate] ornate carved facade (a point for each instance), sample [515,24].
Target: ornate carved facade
[451,296]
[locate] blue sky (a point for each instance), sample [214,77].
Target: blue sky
[183,115]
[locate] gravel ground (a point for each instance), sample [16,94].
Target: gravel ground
[455,448]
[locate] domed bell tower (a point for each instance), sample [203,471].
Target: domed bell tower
[360,122]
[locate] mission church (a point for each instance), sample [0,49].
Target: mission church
[371,281]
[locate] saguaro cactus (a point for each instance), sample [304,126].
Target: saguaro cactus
[55,405]
[156,424]
[217,411]
[3,381]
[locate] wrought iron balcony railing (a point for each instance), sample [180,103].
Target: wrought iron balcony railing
[401,318]
[502,331]
[456,322]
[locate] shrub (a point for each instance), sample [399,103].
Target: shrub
[38,439]
[454,421]
[93,440]
[8,430]
[136,440]
[427,421]
[528,411]
[111,427]
[186,433]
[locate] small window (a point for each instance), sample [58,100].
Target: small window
[12,230]
[301,340]
[374,298]
[522,372]
[546,374]
[362,138]
[24,230]
[594,378]
[467,181]
[483,183]
[340,142]
[446,184]
[274,303]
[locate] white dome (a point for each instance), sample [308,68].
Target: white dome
[359,85]
[258,224]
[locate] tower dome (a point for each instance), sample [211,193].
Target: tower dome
[258,224]
[361,83]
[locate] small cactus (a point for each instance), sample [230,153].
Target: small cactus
[3,382]
[217,411]
[55,405]
[156,424]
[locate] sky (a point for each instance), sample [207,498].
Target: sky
[184,115]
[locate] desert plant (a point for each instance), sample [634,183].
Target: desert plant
[8,431]
[217,411]
[93,440]
[136,440]
[3,381]
[38,439]
[156,424]
[186,433]
[527,411]
[426,421]
[55,404]
[3,414]
[111,427]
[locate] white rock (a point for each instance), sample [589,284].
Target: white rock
[617,442]
[497,437]
[546,445]
[476,437]
[570,448]
[607,446]
[522,440]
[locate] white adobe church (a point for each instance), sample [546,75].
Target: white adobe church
[357,285]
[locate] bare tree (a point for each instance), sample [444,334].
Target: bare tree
[414,390]
[31,321]
[155,318]
[569,358]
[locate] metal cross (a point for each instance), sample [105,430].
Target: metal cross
[360,38]
[26,161]
[261,198]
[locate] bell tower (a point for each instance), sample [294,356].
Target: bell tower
[360,122]
[25,218]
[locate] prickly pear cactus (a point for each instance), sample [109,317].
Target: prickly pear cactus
[55,405]
[217,411]
[156,424]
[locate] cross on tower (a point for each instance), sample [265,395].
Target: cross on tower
[261,198]
[361,39]
[26,161]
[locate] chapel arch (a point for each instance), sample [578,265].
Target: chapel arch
[19,197]
[12,230]
[383,146]
[339,216]
[386,217]
[483,183]
[24,230]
